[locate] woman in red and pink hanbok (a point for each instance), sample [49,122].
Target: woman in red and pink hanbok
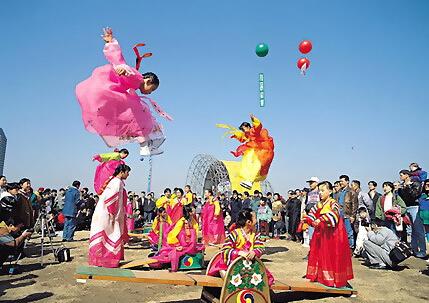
[213,228]
[181,240]
[108,233]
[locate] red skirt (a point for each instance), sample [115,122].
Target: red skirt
[329,260]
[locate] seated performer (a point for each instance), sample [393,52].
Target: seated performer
[181,240]
[164,200]
[106,168]
[213,229]
[160,228]
[175,207]
[242,241]
[108,230]
[329,259]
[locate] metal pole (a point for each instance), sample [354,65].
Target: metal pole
[149,178]
[261,90]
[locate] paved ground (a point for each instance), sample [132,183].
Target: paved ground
[55,282]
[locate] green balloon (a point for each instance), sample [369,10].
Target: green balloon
[262,49]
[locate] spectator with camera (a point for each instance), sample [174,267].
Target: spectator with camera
[381,241]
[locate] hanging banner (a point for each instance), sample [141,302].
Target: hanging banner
[261,90]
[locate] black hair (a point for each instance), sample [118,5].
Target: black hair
[209,191]
[424,190]
[13,185]
[405,172]
[152,78]
[176,188]
[390,184]
[373,183]
[246,193]
[241,127]
[125,151]
[235,192]
[122,168]
[188,186]
[345,177]
[269,194]
[167,190]
[337,183]
[85,189]
[357,182]
[327,184]
[2,176]
[244,215]
[76,184]
[180,190]
[160,210]
[256,192]
[53,191]
[23,180]
[187,210]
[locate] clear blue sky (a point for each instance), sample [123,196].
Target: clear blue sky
[367,86]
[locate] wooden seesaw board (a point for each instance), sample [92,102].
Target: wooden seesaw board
[215,289]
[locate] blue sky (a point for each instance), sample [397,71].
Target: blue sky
[367,86]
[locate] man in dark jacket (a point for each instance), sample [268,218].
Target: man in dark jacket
[348,201]
[24,211]
[236,206]
[71,200]
[294,213]
[148,205]
[374,195]
[246,200]
[410,193]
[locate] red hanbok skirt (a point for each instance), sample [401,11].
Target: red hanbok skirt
[329,260]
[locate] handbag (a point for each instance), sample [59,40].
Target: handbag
[400,252]
[62,254]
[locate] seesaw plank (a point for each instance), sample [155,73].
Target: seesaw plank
[137,263]
[206,281]
[307,286]
[280,286]
[127,275]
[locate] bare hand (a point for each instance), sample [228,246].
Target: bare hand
[26,234]
[243,254]
[352,220]
[179,248]
[317,222]
[107,34]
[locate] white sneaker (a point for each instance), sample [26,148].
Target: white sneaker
[149,150]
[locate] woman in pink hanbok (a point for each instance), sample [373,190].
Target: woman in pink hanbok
[175,207]
[213,228]
[160,228]
[108,233]
[106,168]
[181,240]
[111,107]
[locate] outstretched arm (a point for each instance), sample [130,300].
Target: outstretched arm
[256,123]
[112,50]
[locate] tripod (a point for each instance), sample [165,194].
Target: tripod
[44,224]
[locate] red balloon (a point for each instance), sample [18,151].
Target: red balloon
[303,61]
[305,46]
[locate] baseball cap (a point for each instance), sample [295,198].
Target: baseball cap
[314,179]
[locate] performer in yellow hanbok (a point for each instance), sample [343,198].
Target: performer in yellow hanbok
[257,150]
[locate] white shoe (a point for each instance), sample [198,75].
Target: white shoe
[246,184]
[149,150]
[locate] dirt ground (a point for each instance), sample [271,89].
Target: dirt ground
[55,282]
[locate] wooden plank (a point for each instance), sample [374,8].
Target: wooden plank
[164,277]
[102,271]
[160,277]
[280,286]
[307,286]
[206,281]
[139,262]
